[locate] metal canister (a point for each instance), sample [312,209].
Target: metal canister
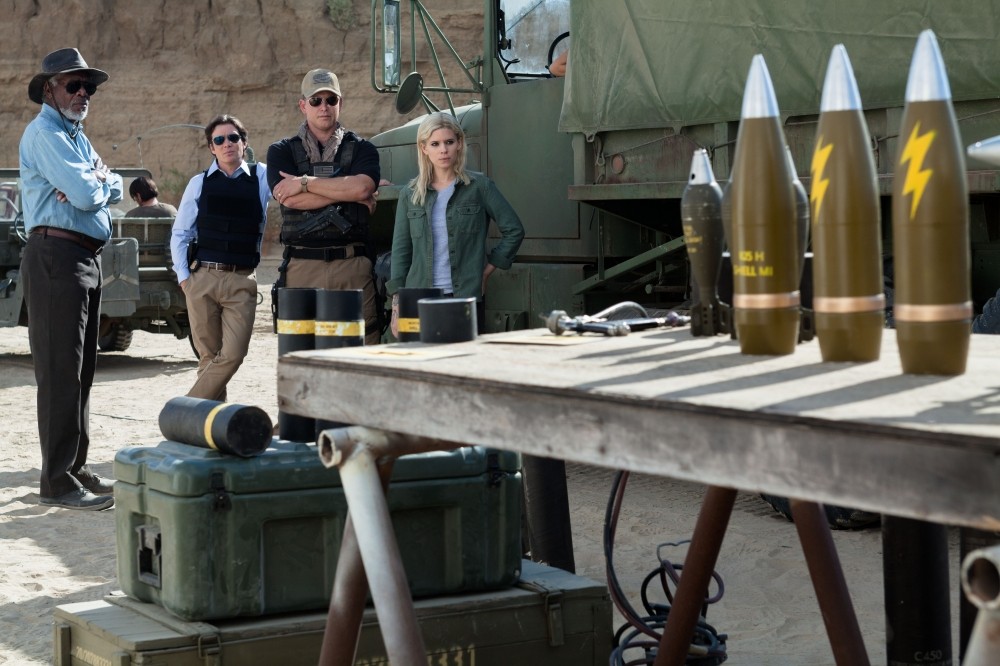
[447,319]
[239,430]
[296,332]
[408,322]
[340,322]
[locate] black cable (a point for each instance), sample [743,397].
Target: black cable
[708,647]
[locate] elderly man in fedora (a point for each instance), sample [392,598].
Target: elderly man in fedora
[66,189]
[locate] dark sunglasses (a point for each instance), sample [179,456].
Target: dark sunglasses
[332,100]
[233,138]
[73,87]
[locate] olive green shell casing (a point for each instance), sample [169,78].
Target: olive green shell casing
[930,225]
[848,299]
[765,244]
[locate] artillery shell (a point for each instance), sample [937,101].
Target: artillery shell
[764,237]
[701,214]
[930,224]
[848,301]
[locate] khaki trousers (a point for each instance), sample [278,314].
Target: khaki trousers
[221,307]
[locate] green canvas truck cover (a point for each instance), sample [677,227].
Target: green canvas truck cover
[649,63]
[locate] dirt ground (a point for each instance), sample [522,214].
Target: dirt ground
[52,556]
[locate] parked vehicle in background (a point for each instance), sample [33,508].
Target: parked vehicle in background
[596,162]
[139,291]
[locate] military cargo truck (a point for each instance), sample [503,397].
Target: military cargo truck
[595,163]
[139,289]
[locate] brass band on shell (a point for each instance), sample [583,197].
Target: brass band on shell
[932,313]
[766,301]
[848,304]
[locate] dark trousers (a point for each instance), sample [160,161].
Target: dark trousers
[62,289]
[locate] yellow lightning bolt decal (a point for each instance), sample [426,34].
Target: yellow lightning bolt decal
[914,153]
[820,157]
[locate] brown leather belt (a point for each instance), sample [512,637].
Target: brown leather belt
[84,241]
[224,267]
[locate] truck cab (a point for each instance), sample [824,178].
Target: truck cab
[596,162]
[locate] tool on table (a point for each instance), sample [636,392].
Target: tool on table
[559,322]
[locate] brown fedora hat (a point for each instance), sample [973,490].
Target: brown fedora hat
[63,61]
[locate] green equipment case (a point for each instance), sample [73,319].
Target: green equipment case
[550,617]
[209,536]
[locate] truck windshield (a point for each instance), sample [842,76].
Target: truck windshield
[532,28]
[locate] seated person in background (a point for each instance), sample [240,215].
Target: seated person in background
[143,191]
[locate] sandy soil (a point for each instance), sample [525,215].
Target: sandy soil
[52,556]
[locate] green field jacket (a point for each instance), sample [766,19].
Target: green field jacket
[469,212]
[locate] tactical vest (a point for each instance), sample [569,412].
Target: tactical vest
[229,219]
[313,229]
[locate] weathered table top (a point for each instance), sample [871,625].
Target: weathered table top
[663,402]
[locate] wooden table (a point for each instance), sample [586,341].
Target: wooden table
[662,402]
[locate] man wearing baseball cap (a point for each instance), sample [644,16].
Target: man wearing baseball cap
[325,178]
[66,189]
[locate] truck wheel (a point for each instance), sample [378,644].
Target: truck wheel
[839,518]
[118,338]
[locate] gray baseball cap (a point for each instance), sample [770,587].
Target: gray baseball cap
[320,79]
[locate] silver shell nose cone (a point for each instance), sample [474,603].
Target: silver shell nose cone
[840,88]
[987,150]
[928,79]
[759,100]
[701,168]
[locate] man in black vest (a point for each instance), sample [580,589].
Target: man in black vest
[215,245]
[325,179]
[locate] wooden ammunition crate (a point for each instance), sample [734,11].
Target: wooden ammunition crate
[550,617]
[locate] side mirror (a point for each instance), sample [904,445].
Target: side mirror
[410,92]
[390,42]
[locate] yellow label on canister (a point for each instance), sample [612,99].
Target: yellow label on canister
[408,325]
[208,423]
[341,329]
[296,326]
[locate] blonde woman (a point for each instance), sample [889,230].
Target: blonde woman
[442,220]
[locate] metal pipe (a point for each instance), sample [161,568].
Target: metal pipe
[380,554]
[706,541]
[828,581]
[350,591]
[364,457]
[981,584]
[969,540]
[338,444]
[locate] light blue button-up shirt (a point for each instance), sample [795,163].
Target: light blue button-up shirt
[184,231]
[53,161]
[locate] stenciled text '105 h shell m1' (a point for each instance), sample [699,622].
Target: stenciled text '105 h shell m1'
[848,298]
[930,224]
[764,244]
